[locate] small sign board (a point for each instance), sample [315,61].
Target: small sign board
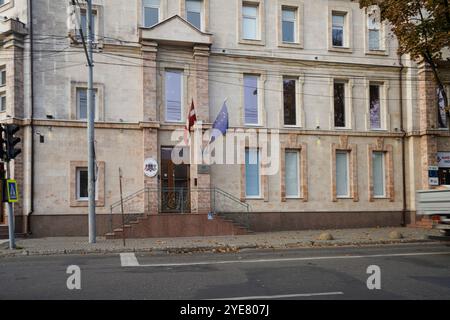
[203,169]
[12,190]
[433,175]
[150,167]
[443,159]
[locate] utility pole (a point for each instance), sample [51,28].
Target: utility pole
[91,125]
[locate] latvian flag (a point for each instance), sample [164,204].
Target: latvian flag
[190,121]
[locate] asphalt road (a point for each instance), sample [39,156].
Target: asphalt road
[407,272]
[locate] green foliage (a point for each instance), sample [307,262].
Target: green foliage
[422,27]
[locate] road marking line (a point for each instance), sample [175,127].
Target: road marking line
[128,260]
[289,259]
[285,296]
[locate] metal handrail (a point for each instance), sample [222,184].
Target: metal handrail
[214,191]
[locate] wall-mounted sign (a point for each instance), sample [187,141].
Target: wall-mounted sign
[13,192]
[150,167]
[443,159]
[203,169]
[433,175]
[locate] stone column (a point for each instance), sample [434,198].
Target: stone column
[428,120]
[149,114]
[201,179]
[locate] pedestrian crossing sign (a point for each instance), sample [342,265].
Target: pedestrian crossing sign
[12,191]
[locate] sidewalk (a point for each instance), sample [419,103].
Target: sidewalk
[220,244]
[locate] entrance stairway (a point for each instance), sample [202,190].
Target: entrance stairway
[138,224]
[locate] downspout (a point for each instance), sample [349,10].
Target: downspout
[402,130]
[30,23]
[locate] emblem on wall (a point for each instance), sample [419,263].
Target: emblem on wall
[150,167]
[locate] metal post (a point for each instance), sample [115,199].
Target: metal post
[121,207]
[90,127]
[11,227]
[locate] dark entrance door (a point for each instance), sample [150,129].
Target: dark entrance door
[444,176]
[175,196]
[2,207]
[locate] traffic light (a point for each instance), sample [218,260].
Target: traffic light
[11,141]
[2,144]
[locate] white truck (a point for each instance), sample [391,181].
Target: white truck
[436,204]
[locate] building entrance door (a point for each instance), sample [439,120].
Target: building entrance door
[2,206]
[175,180]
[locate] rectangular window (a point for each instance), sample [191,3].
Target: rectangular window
[82,184]
[3,102]
[82,103]
[2,76]
[194,12]
[338,28]
[151,12]
[251,99]
[374,26]
[342,174]
[250,22]
[289,94]
[84,26]
[339,104]
[252,179]
[2,2]
[378,174]
[289,24]
[375,107]
[174,94]
[292,174]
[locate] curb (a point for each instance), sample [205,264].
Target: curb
[219,249]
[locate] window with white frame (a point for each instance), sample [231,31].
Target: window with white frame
[151,12]
[375,106]
[441,109]
[82,184]
[2,2]
[194,12]
[252,174]
[251,104]
[374,28]
[340,118]
[292,173]
[378,174]
[3,101]
[250,21]
[338,28]
[82,98]
[290,101]
[2,76]
[289,24]
[173,95]
[342,174]
[84,26]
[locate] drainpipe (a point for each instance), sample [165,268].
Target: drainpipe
[30,23]
[402,130]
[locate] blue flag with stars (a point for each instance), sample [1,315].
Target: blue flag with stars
[220,126]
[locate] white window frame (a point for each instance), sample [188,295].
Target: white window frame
[299,83]
[260,92]
[2,76]
[349,116]
[260,10]
[252,18]
[202,13]
[347,31]
[78,191]
[182,94]
[383,162]
[348,154]
[96,32]
[154,7]
[3,105]
[77,103]
[295,22]
[383,41]
[299,172]
[259,196]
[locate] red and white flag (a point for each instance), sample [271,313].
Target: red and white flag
[190,121]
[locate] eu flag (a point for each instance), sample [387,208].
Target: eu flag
[220,126]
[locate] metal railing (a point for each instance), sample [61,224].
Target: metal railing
[177,200]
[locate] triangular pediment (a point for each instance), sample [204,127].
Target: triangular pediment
[176,30]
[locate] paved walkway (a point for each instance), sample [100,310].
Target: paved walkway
[221,244]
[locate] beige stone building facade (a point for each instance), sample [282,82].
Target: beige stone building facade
[358,125]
